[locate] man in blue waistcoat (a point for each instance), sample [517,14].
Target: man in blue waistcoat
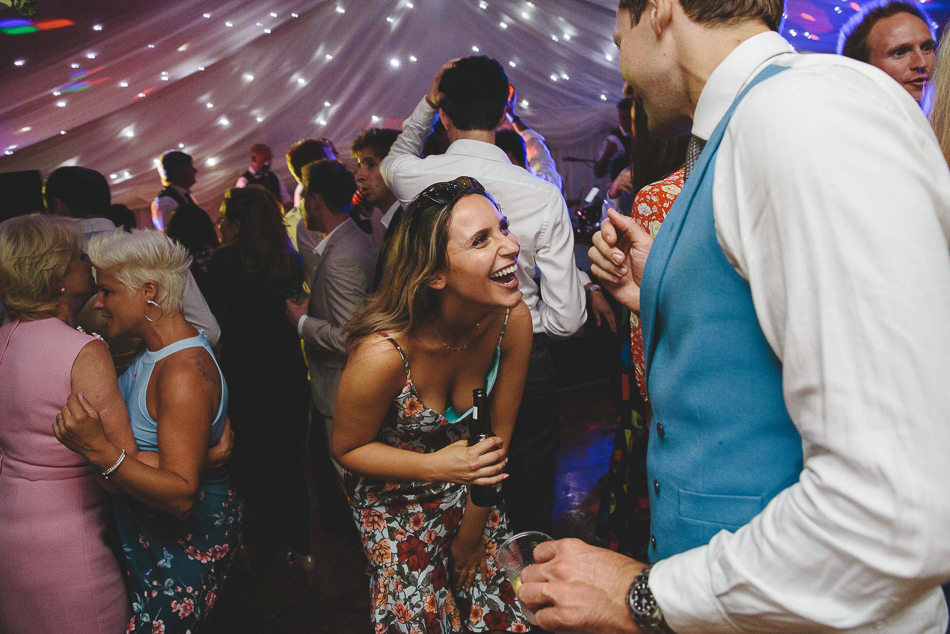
[795,308]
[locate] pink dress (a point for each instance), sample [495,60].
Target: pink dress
[56,572]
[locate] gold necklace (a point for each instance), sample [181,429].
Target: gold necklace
[458,348]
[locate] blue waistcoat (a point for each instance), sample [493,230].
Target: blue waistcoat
[721,443]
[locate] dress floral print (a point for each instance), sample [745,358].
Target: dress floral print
[175,568]
[650,209]
[407,528]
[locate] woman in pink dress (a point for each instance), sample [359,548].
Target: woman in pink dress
[57,573]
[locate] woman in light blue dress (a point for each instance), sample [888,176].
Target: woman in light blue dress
[179,521]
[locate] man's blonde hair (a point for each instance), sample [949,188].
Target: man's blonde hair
[35,252]
[143,255]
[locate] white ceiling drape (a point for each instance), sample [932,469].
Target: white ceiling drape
[215,77]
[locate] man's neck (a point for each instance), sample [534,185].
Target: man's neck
[177,186]
[386,201]
[485,136]
[334,220]
[703,49]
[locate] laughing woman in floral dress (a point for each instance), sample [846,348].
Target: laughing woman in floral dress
[447,319]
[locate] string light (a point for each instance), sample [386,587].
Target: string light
[206,15]
[123,84]
[390,20]
[224,122]
[512,64]
[74,65]
[475,49]
[553,77]
[248,77]
[141,95]
[603,97]
[326,104]
[526,15]
[340,9]
[97,27]
[374,119]
[62,131]
[91,55]
[273,15]
[211,162]
[201,68]
[209,105]
[56,93]
[295,15]
[524,103]
[394,63]
[181,146]
[329,57]
[413,59]
[321,122]
[483,5]
[19,62]
[301,81]
[60,104]
[268,31]
[26,128]
[503,25]
[260,119]
[151,46]
[229,24]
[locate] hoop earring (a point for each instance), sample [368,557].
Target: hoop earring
[160,314]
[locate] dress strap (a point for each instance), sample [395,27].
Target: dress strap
[405,361]
[504,326]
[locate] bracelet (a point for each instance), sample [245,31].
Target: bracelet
[108,472]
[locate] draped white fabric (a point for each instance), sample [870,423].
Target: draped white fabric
[327,72]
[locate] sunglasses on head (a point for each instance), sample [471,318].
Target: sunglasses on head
[450,191]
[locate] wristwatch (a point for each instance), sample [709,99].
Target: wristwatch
[643,607]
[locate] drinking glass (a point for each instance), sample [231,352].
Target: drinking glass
[516,554]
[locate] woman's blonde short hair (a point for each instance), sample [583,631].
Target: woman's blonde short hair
[143,255]
[35,252]
[940,108]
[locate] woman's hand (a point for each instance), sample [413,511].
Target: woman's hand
[219,454]
[79,428]
[482,464]
[466,558]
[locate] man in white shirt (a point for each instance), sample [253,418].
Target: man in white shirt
[895,36]
[178,174]
[369,149]
[470,96]
[792,204]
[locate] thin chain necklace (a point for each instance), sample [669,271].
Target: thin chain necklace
[457,348]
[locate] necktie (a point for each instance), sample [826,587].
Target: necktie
[693,150]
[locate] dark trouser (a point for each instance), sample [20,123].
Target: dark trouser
[332,507]
[529,489]
[267,466]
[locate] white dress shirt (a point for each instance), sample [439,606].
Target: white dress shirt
[535,209]
[163,206]
[388,216]
[832,198]
[540,161]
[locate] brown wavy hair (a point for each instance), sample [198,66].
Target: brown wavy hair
[263,240]
[417,254]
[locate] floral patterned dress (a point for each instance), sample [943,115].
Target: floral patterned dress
[407,528]
[623,521]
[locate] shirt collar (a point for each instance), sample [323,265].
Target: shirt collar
[478,149]
[726,82]
[92,226]
[179,189]
[388,216]
[322,245]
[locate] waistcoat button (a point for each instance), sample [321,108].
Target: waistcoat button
[659,430]
[653,541]
[656,487]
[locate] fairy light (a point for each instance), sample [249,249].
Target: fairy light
[394,63]
[97,27]
[19,62]
[60,104]
[123,84]
[413,59]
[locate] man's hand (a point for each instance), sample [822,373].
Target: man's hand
[574,587]
[435,96]
[602,311]
[618,256]
[296,309]
[623,184]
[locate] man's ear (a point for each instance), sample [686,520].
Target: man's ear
[446,120]
[660,15]
[437,283]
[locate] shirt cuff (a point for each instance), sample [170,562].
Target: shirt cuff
[300,323]
[682,587]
